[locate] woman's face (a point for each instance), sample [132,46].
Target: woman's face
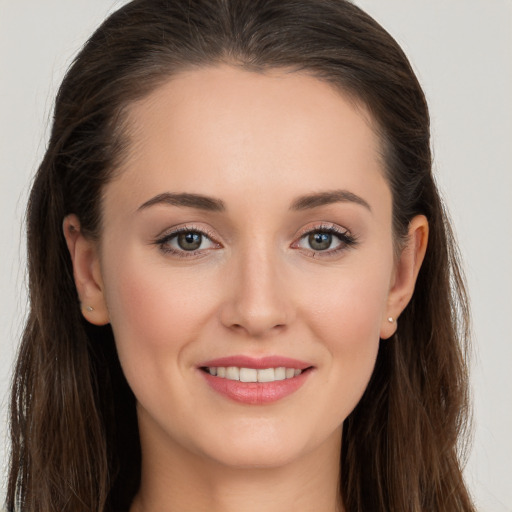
[250,220]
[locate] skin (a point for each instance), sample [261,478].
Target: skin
[256,142]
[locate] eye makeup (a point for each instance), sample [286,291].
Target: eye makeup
[187,241]
[324,240]
[320,241]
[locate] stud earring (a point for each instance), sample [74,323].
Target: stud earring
[390,319]
[89,308]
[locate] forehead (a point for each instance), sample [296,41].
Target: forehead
[224,131]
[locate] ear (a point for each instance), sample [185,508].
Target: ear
[405,274]
[86,271]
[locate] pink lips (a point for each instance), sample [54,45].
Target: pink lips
[256,393]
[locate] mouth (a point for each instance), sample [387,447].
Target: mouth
[255,381]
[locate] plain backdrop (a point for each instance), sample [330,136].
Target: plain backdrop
[462,52]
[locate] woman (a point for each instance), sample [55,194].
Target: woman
[244,292]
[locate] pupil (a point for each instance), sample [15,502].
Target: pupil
[320,241]
[189,241]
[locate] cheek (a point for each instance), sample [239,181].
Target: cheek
[345,315]
[155,313]
[347,307]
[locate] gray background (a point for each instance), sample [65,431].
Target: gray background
[462,52]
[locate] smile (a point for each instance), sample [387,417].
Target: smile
[253,374]
[255,380]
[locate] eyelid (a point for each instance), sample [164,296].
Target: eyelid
[322,226]
[326,227]
[183,228]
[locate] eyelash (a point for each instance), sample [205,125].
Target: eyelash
[347,240]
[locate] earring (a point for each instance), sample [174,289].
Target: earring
[89,308]
[390,319]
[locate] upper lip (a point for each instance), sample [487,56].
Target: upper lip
[243,361]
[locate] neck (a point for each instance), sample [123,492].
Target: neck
[175,480]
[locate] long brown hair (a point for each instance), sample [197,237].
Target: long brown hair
[75,444]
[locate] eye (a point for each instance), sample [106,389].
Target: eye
[325,240]
[186,242]
[189,241]
[321,241]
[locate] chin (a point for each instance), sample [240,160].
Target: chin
[256,457]
[259,449]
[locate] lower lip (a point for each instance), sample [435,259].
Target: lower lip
[256,393]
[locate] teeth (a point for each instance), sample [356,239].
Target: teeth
[248,375]
[280,373]
[232,373]
[266,375]
[254,375]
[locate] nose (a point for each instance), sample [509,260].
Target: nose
[257,303]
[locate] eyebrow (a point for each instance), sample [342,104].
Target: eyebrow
[212,204]
[329,197]
[187,200]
